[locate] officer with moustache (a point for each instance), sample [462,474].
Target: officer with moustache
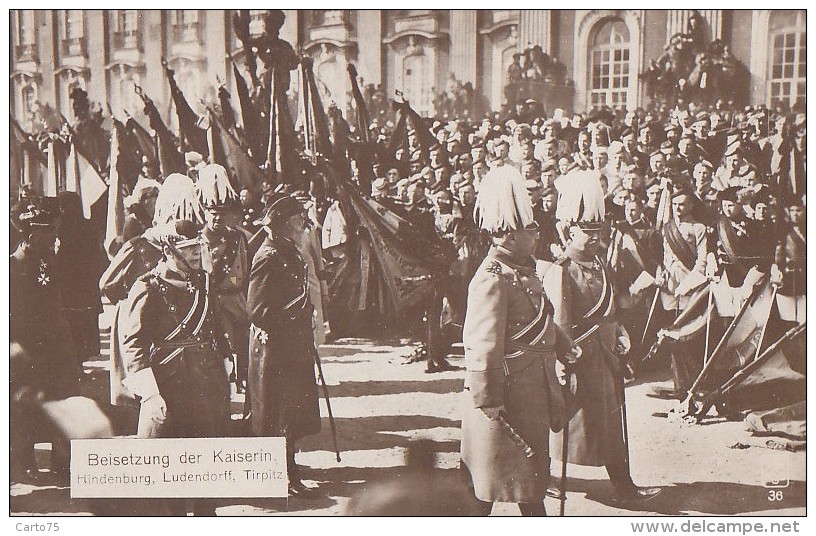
[282,352]
[224,257]
[512,347]
[174,351]
[596,400]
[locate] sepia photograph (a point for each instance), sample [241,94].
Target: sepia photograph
[408,262]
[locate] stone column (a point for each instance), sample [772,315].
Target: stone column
[463,45]
[96,35]
[535,27]
[216,45]
[677,21]
[370,46]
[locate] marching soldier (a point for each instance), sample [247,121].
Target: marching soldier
[282,353]
[175,349]
[511,347]
[596,400]
[225,259]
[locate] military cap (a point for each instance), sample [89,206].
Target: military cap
[37,217]
[704,164]
[279,208]
[667,147]
[549,165]
[532,184]
[627,132]
[182,233]
[732,148]
[193,159]
[548,191]
[652,183]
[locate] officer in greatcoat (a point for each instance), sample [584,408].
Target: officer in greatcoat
[174,350]
[596,398]
[511,345]
[282,351]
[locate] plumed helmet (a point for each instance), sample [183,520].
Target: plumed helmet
[178,200]
[503,203]
[214,187]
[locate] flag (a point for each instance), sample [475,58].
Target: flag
[170,159]
[242,170]
[193,137]
[281,152]
[81,177]
[360,109]
[253,126]
[145,146]
[116,206]
[51,187]
[29,166]
[227,113]
[311,116]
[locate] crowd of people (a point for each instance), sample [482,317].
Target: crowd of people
[562,234]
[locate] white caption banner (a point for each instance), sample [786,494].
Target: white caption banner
[200,467]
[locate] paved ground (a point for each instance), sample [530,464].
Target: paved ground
[381,404]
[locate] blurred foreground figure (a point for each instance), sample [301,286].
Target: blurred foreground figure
[420,490]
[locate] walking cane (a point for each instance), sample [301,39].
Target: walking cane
[328,402]
[564,454]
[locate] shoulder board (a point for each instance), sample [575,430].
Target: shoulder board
[562,260]
[494,267]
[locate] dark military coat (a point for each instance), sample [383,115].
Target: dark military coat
[281,346]
[170,326]
[37,323]
[596,426]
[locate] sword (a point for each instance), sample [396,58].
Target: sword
[651,314]
[708,324]
[514,436]
[564,455]
[328,401]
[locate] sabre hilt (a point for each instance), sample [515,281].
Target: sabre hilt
[514,436]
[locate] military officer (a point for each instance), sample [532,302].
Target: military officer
[174,349]
[511,347]
[177,199]
[282,352]
[596,398]
[38,325]
[224,257]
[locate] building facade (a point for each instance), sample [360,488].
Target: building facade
[111,52]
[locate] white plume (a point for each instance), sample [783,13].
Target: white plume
[503,203]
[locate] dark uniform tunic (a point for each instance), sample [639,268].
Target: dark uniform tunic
[511,342]
[281,344]
[791,258]
[37,323]
[596,425]
[170,326]
[225,259]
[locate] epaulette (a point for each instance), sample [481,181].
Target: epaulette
[494,267]
[562,260]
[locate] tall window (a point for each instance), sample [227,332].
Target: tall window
[73,31]
[609,64]
[26,34]
[186,25]
[126,28]
[788,60]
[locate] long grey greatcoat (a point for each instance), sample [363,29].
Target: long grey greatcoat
[595,426]
[510,343]
[282,382]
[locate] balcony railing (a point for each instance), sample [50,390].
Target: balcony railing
[187,32]
[126,40]
[74,46]
[26,52]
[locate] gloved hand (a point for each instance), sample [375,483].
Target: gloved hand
[155,408]
[660,280]
[492,413]
[776,276]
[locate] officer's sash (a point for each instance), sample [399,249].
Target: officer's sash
[599,312]
[184,334]
[532,334]
[681,249]
[728,238]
